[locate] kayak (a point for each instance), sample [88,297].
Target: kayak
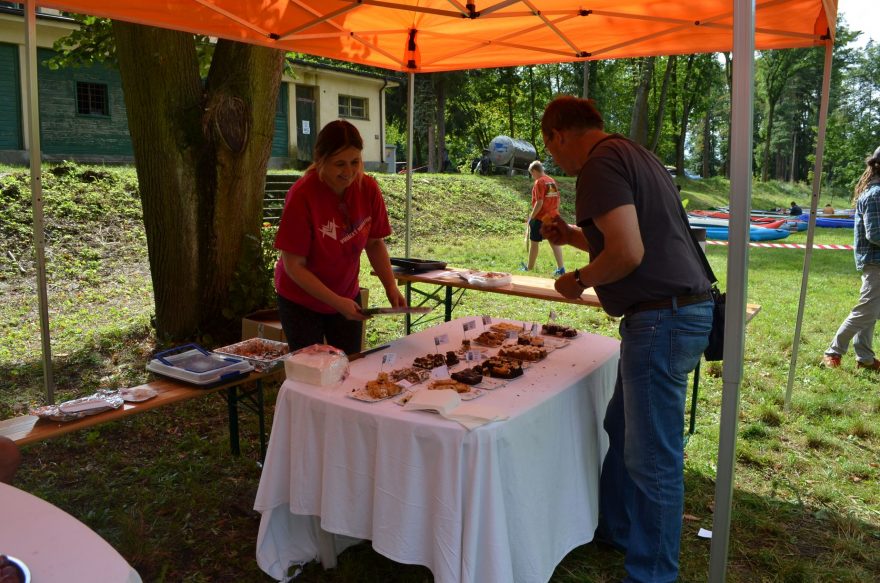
[829,223]
[755,234]
[767,221]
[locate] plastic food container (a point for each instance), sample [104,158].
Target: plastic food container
[263,354]
[194,364]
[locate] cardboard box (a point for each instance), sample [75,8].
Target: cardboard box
[267,324]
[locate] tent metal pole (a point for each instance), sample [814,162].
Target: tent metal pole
[742,113]
[35,155]
[410,104]
[814,205]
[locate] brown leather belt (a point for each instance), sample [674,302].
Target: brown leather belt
[680,301]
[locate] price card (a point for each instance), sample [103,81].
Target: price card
[441,339]
[389,358]
[552,315]
[487,320]
[512,334]
[469,325]
[535,328]
[441,372]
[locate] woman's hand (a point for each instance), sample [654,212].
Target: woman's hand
[350,309]
[395,298]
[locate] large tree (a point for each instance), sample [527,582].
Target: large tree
[201,148]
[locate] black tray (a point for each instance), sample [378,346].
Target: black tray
[412,264]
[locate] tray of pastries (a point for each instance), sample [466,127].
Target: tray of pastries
[501,367]
[434,360]
[558,330]
[521,352]
[379,389]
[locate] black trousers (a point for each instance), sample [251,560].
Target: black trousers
[304,327]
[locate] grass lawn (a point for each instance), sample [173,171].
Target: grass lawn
[163,489]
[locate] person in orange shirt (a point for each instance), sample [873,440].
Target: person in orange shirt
[545,206]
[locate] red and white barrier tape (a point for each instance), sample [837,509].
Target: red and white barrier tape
[788,245]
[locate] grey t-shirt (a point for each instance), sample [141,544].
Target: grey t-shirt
[620,172]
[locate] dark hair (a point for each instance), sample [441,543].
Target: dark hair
[332,139]
[567,112]
[871,175]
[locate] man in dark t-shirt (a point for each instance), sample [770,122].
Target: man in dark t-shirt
[644,267]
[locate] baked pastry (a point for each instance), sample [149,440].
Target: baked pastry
[468,376]
[451,358]
[531,353]
[382,387]
[529,340]
[501,367]
[506,327]
[559,330]
[489,338]
[410,374]
[429,361]
[449,384]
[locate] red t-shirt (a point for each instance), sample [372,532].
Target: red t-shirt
[545,189]
[330,233]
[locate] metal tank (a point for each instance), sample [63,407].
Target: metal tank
[503,150]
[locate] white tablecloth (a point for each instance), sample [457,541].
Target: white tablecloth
[504,502]
[54,545]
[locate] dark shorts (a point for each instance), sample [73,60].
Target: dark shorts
[304,327]
[535,230]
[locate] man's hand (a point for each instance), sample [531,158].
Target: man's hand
[568,286]
[350,309]
[555,230]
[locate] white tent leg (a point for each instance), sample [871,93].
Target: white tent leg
[35,155]
[410,104]
[737,275]
[814,205]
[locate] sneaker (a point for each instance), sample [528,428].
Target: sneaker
[558,272]
[523,266]
[833,361]
[875,365]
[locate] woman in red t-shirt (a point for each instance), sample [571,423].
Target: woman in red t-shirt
[330,215]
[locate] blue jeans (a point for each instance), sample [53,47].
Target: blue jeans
[641,493]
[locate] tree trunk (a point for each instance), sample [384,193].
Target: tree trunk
[638,127]
[586,91]
[765,157]
[707,144]
[442,153]
[661,106]
[201,158]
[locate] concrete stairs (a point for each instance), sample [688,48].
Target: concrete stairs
[276,189]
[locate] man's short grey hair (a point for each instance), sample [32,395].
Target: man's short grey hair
[536,165]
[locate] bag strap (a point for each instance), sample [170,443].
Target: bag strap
[706,267]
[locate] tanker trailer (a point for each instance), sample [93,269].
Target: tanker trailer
[515,154]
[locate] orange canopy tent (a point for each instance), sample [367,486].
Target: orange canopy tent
[423,36]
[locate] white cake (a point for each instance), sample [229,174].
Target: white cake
[318,364]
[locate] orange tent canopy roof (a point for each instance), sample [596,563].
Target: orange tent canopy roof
[440,35]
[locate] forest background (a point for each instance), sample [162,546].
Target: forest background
[678,106]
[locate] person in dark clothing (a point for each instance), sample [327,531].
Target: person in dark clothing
[795,210]
[483,165]
[644,267]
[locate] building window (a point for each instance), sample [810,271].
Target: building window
[354,107]
[91,99]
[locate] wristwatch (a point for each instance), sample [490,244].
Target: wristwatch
[577,278]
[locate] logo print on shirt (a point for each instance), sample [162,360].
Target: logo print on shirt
[329,230]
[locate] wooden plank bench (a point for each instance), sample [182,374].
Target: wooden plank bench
[246,390]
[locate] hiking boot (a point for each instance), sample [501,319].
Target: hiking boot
[833,361]
[558,272]
[875,365]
